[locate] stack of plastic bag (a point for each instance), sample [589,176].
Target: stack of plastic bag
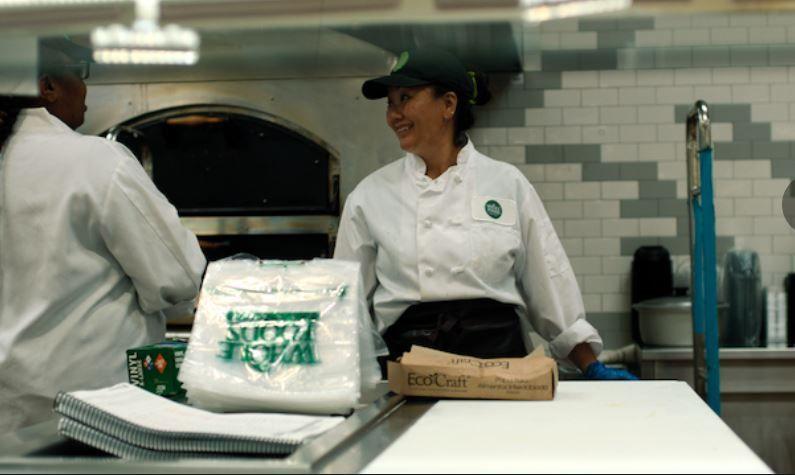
[291,336]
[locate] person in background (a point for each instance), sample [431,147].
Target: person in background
[90,251]
[453,243]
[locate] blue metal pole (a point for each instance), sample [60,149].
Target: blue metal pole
[704,292]
[710,306]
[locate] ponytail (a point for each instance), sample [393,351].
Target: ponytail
[464,115]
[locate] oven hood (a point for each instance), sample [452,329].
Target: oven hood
[299,53]
[207,15]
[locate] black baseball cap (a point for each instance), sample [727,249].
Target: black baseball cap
[421,67]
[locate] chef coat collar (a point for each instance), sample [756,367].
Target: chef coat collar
[416,166]
[37,120]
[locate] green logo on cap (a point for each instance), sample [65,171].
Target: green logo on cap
[493,209]
[402,60]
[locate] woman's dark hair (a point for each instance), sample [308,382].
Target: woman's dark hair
[8,117]
[10,108]
[464,115]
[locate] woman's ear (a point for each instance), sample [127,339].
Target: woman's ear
[48,89]
[450,102]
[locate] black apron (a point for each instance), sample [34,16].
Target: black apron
[482,328]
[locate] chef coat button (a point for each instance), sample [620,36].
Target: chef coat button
[457,269]
[458,178]
[428,272]
[427,223]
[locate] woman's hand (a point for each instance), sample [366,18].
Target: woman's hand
[582,356]
[597,371]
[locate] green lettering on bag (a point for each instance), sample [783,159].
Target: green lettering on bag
[264,340]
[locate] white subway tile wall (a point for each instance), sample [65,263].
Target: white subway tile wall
[600,133]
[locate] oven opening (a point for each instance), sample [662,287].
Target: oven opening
[229,161]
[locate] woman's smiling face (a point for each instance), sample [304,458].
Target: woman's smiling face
[417,116]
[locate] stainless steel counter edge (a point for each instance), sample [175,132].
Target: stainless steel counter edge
[686,354]
[345,449]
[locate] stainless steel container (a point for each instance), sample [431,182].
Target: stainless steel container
[668,321]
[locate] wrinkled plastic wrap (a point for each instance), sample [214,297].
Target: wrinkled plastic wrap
[742,285]
[291,336]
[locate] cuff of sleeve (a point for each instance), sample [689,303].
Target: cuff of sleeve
[579,332]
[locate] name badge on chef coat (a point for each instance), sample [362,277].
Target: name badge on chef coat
[494,210]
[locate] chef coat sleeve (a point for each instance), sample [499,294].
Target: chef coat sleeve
[143,232]
[355,243]
[548,286]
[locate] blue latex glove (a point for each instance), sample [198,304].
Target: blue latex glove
[597,371]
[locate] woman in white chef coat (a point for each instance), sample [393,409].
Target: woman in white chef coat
[90,251]
[454,245]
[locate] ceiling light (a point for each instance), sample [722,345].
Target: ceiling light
[146,42]
[49,3]
[537,11]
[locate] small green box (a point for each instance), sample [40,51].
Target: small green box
[155,368]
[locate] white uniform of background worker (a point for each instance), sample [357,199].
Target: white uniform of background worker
[90,253]
[453,243]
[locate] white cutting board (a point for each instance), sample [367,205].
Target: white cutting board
[590,427]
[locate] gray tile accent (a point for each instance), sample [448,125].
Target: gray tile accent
[637,58]
[579,60]
[784,168]
[723,244]
[560,61]
[677,246]
[638,23]
[544,153]
[599,60]
[683,226]
[639,171]
[502,118]
[639,209]
[517,99]
[733,151]
[749,55]
[674,207]
[542,80]
[598,25]
[631,244]
[681,111]
[657,189]
[585,153]
[771,150]
[717,112]
[614,328]
[747,131]
[615,39]
[711,56]
[601,171]
[673,58]
[615,51]
[525,99]
[730,112]
[783,55]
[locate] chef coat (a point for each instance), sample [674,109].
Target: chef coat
[477,231]
[90,253]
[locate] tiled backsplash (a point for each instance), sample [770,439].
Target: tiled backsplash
[596,123]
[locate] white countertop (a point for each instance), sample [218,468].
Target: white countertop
[590,427]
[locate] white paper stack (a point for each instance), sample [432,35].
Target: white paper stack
[130,422]
[288,336]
